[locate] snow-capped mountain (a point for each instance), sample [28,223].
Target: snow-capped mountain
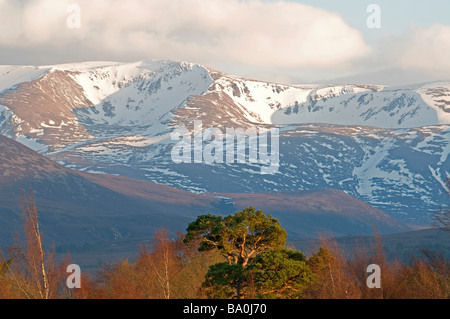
[387,146]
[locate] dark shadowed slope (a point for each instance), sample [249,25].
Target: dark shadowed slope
[316,212]
[76,210]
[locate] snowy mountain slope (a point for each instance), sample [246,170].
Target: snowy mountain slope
[41,111]
[58,106]
[437,95]
[401,172]
[387,146]
[269,103]
[11,75]
[138,94]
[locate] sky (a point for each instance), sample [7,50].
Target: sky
[350,41]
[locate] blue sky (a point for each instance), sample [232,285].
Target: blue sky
[397,15]
[281,41]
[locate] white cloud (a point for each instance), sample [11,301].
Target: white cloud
[263,34]
[10,22]
[421,49]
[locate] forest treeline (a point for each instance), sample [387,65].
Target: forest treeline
[241,256]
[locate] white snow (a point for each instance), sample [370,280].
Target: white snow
[32,143]
[11,75]
[425,93]
[436,174]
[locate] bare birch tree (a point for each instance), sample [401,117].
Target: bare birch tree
[34,271]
